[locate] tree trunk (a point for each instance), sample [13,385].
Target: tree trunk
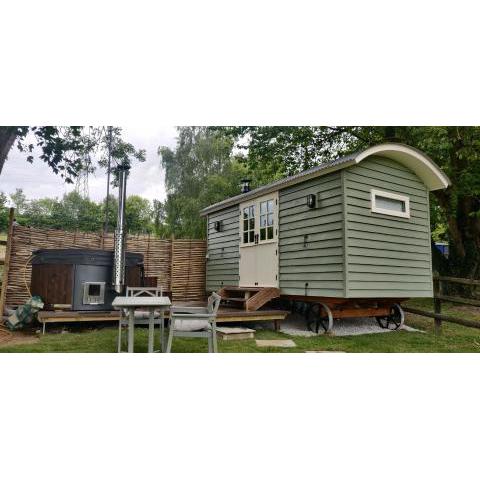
[7,138]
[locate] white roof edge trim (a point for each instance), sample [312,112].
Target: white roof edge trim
[413,159]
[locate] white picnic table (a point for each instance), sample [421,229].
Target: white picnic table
[151,304]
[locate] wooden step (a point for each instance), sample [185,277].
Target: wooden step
[255,297]
[241,289]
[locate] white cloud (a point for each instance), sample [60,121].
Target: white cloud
[146,179]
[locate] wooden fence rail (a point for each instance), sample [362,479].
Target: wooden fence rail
[439,296]
[443,318]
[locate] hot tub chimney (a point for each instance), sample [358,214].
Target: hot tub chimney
[118,280]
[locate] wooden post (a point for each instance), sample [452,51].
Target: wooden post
[437,304]
[6,266]
[172,240]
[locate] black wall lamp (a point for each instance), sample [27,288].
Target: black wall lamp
[217,226]
[311,200]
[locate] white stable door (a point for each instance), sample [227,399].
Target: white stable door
[259,242]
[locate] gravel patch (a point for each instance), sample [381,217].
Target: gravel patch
[296,325]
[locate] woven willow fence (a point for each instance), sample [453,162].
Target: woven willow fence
[179,265]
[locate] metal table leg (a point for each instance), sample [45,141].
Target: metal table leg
[131,327]
[151,332]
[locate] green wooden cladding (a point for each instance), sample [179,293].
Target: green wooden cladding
[311,240]
[340,248]
[223,249]
[386,256]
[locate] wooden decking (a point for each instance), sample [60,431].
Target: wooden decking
[225,315]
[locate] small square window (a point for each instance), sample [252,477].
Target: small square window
[388,203]
[94,290]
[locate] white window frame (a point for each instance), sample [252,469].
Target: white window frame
[254,230]
[394,196]
[266,214]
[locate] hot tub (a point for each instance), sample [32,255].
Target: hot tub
[80,279]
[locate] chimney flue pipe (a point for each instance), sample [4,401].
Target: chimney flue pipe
[245,185]
[118,280]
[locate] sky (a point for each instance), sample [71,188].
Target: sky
[146,179]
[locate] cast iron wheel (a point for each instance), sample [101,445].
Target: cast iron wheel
[393,321]
[318,314]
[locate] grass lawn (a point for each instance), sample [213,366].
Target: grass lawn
[455,338]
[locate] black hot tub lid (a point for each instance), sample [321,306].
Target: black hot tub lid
[82,256]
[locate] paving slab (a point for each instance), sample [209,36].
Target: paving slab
[276,343]
[235,333]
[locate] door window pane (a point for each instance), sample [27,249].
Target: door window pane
[266,220]
[248,224]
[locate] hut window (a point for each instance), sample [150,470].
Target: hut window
[249,224]
[266,220]
[389,203]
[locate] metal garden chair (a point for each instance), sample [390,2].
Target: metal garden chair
[195,322]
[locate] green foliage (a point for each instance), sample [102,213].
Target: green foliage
[138,215]
[122,153]
[68,150]
[63,149]
[202,170]
[19,201]
[3,212]
[74,212]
